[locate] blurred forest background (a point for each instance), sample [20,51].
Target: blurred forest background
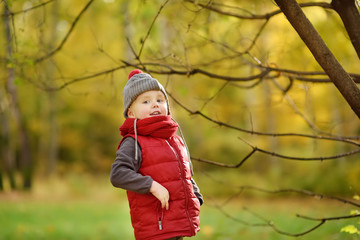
[260,115]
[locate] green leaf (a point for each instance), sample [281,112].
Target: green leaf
[18,81]
[29,62]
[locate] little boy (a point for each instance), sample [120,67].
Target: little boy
[153,165]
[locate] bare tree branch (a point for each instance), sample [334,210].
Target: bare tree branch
[31,8]
[150,28]
[212,6]
[76,20]
[312,39]
[252,132]
[253,42]
[259,77]
[271,224]
[219,164]
[307,158]
[214,96]
[277,229]
[302,192]
[76,80]
[295,108]
[300,75]
[223,164]
[329,218]
[322,53]
[220,206]
[351,17]
[242,188]
[274,154]
[193,71]
[265,71]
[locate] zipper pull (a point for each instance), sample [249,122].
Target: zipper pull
[160,225]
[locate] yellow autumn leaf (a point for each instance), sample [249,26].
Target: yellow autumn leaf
[354,212]
[350,229]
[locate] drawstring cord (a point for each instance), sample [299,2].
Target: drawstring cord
[187,149]
[136,144]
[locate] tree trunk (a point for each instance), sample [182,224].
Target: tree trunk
[53,128]
[7,150]
[322,53]
[350,16]
[7,163]
[24,148]
[128,29]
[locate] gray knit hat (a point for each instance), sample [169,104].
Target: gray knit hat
[138,83]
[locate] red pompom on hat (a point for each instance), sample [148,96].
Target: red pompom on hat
[133,72]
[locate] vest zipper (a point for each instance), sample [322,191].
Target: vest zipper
[183,179]
[161,217]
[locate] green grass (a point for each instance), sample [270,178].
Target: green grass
[101,212]
[63,220]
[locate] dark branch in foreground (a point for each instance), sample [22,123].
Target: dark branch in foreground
[315,77]
[243,188]
[222,124]
[297,75]
[268,223]
[271,224]
[255,149]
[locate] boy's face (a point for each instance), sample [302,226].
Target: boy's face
[148,104]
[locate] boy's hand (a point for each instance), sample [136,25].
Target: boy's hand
[161,194]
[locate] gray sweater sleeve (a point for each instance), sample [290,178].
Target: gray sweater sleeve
[124,171]
[197,192]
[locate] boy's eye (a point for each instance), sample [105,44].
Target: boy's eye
[160,100]
[146,101]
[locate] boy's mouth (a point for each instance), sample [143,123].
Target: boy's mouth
[155,113]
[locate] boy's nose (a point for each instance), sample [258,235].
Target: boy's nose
[155,104]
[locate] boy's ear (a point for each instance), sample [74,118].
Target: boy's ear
[130,113]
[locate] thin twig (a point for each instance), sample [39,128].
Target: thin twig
[328,218]
[76,80]
[251,16]
[31,8]
[242,188]
[150,28]
[223,164]
[50,54]
[346,154]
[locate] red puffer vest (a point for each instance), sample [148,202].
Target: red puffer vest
[165,159]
